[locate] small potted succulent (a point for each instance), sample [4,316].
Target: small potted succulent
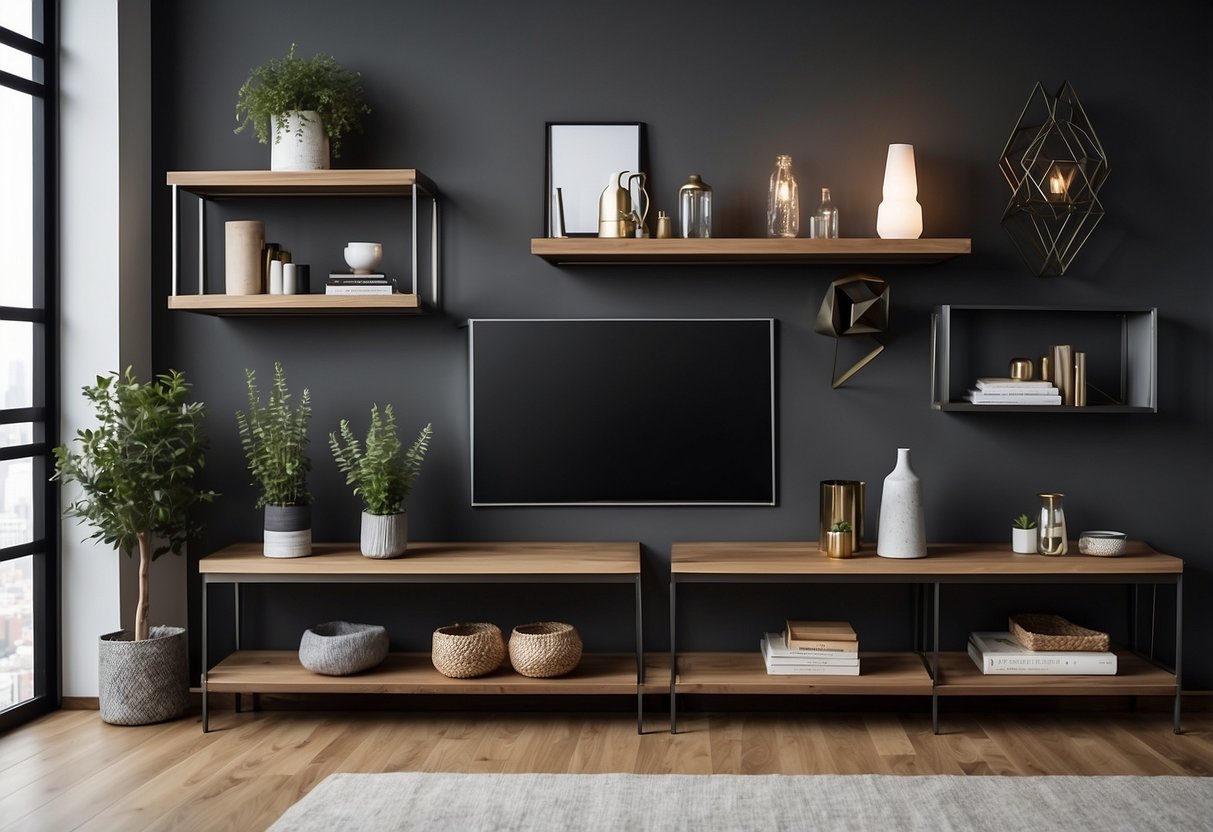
[382,472]
[306,104]
[274,438]
[839,542]
[1023,535]
[136,472]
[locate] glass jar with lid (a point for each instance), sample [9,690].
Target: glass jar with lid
[1051,531]
[695,208]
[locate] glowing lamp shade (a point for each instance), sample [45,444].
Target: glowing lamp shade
[900,216]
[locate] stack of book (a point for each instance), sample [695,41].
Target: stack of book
[1010,391]
[812,648]
[340,283]
[999,654]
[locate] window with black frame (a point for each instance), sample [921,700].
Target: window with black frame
[28,502]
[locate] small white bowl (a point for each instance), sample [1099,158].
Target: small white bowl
[1102,544]
[363,258]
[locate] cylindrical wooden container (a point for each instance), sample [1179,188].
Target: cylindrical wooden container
[242,244]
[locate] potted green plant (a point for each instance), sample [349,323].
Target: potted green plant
[136,473]
[839,541]
[306,104]
[382,472]
[1023,535]
[274,438]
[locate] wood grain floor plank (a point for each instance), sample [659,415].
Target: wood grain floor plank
[607,744]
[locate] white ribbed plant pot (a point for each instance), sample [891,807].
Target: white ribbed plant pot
[1023,541]
[903,532]
[384,535]
[299,143]
[288,532]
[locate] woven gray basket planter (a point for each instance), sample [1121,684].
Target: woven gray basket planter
[340,648]
[142,682]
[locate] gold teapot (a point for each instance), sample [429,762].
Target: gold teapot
[617,215]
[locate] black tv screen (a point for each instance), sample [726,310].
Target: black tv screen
[623,411]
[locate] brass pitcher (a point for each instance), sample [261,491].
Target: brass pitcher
[617,216]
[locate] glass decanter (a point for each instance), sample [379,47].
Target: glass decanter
[1051,531]
[825,221]
[783,202]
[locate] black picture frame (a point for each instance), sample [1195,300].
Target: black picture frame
[579,160]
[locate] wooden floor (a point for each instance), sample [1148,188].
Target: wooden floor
[71,771]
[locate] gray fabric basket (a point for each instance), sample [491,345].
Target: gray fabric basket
[339,648]
[142,682]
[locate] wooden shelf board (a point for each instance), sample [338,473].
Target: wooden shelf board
[969,407]
[1135,676]
[542,559]
[302,305]
[564,250]
[888,674]
[279,671]
[761,560]
[394,182]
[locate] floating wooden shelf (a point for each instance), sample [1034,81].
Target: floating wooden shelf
[214,184]
[586,250]
[297,304]
[959,676]
[886,674]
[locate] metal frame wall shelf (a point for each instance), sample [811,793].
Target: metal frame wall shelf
[1055,166]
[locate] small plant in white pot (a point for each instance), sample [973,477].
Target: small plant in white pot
[1023,535]
[274,438]
[306,104]
[136,473]
[382,472]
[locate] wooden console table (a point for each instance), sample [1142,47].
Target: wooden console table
[279,671]
[924,670]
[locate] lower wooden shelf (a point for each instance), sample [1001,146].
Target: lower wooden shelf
[279,671]
[959,676]
[883,674]
[398,304]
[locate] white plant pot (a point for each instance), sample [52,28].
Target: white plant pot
[384,535]
[299,143]
[1023,541]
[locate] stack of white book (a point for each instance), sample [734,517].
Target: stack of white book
[1010,391]
[812,648]
[999,654]
[340,283]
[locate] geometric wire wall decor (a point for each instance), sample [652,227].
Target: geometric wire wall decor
[1055,166]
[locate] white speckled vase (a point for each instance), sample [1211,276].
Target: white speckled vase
[903,532]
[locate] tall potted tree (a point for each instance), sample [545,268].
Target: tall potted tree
[136,472]
[382,472]
[306,104]
[274,438]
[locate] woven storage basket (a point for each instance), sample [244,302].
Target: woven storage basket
[1052,632]
[462,651]
[544,649]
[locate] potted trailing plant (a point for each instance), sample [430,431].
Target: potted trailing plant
[839,542]
[306,104]
[136,473]
[274,438]
[382,472]
[1023,535]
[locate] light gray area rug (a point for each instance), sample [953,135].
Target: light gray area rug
[483,802]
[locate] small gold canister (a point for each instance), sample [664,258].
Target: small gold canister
[838,544]
[665,226]
[1021,369]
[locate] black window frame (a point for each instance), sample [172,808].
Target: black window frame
[44,410]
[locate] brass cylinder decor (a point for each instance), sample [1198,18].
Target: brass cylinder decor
[841,501]
[1021,369]
[838,544]
[242,244]
[1080,379]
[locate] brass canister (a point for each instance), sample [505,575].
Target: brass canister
[838,544]
[841,500]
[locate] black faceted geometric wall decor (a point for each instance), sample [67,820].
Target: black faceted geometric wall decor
[857,304]
[1055,166]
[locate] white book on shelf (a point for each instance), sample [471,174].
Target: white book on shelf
[359,290]
[976,397]
[810,670]
[999,654]
[796,658]
[1011,384]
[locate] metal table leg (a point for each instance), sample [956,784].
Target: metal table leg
[236,603]
[935,665]
[1179,647]
[639,660]
[673,657]
[205,711]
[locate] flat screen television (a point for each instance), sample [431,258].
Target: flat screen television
[622,411]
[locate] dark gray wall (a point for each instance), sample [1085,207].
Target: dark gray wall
[461,90]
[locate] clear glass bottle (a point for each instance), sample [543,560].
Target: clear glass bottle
[1051,531]
[695,208]
[783,202]
[825,221]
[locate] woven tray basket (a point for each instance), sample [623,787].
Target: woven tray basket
[462,651]
[1037,631]
[544,649]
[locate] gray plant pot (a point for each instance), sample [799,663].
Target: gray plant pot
[340,648]
[142,682]
[288,531]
